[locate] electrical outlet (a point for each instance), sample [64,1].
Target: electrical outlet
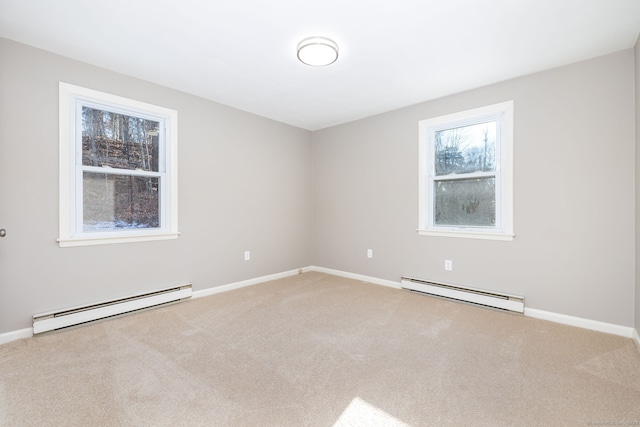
[448,264]
[247,255]
[369,253]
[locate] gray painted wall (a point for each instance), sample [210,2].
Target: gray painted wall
[244,185]
[294,198]
[637,81]
[573,200]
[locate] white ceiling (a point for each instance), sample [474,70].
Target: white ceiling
[393,53]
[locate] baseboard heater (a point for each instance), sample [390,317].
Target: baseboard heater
[46,322]
[511,303]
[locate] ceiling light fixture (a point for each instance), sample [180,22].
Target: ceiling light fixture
[317,51]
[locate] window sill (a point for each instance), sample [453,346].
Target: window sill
[109,240]
[468,234]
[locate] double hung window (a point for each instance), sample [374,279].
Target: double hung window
[118,169]
[466,174]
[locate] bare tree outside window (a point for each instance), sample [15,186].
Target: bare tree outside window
[118,143]
[460,151]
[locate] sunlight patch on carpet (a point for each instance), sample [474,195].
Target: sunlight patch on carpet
[361,413]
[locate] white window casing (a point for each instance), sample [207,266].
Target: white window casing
[71,233]
[502,114]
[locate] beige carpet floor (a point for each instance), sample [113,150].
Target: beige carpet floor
[320,350]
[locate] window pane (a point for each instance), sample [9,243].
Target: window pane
[466,149]
[113,202]
[465,202]
[119,141]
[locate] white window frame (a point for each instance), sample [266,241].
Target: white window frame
[502,113]
[71,99]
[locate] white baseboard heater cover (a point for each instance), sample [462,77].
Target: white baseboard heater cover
[46,322]
[511,303]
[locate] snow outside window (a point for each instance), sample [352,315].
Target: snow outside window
[466,174]
[118,169]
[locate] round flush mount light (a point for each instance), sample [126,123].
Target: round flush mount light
[317,51]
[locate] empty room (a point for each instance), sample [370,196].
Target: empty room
[339,213]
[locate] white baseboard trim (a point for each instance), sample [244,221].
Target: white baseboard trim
[16,335]
[28,332]
[374,280]
[594,325]
[237,285]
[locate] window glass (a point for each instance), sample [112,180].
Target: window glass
[112,202]
[465,149]
[119,141]
[465,202]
